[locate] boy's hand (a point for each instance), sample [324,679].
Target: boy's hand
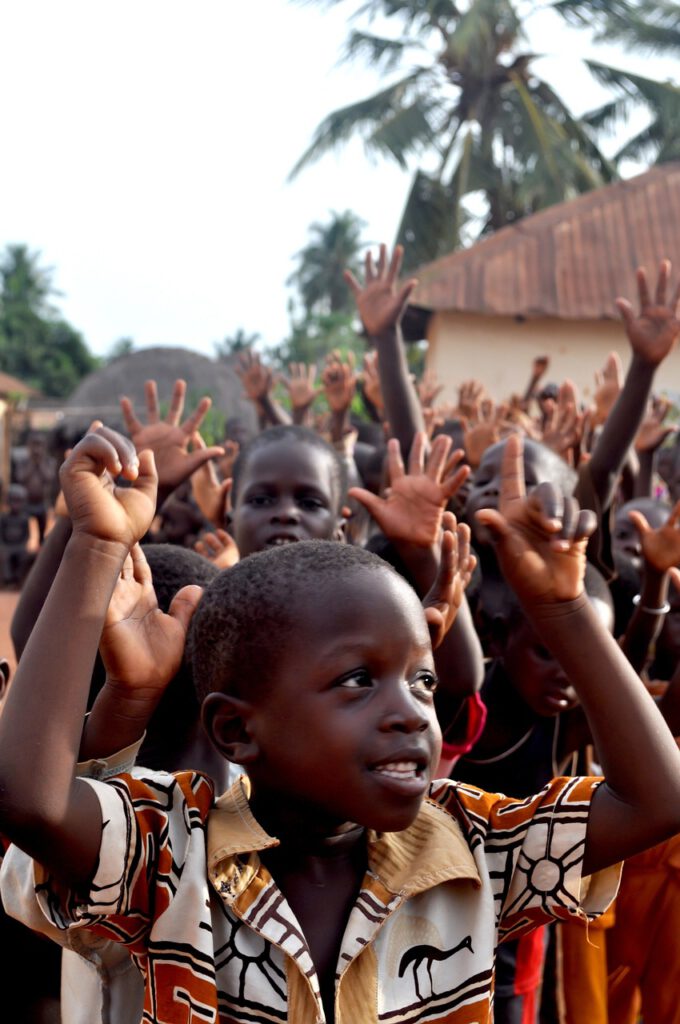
[412,511]
[608,387]
[301,388]
[654,331]
[540,540]
[564,425]
[661,547]
[141,646]
[210,494]
[652,432]
[97,507]
[256,378]
[429,388]
[380,302]
[456,566]
[219,548]
[168,439]
[339,381]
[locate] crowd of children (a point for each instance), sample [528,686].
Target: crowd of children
[376,749]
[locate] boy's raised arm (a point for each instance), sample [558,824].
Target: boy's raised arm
[381,304]
[540,543]
[42,808]
[652,334]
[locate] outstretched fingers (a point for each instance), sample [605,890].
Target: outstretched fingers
[176,409]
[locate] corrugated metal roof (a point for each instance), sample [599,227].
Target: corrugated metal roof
[569,261]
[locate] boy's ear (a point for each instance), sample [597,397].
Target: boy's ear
[341,524]
[226,719]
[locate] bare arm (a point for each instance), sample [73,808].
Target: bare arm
[381,305]
[37,586]
[541,542]
[652,335]
[42,808]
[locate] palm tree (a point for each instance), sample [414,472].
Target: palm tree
[318,277]
[471,102]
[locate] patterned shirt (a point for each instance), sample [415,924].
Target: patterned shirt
[222,945]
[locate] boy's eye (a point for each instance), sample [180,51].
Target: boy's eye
[311,503]
[356,680]
[259,500]
[426,682]
[543,653]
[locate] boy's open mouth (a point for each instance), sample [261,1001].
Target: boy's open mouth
[399,770]
[281,538]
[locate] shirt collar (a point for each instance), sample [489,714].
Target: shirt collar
[430,851]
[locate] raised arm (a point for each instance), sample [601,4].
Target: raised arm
[652,334]
[42,808]
[381,303]
[541,542]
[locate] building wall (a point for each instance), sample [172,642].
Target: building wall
[499,351]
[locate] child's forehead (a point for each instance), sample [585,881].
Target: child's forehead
[288,457]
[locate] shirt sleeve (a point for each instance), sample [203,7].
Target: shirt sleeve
[532,851]
[153,828]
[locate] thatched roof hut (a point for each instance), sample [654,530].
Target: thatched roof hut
[98,394]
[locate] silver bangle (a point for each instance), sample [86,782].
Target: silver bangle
[651,611]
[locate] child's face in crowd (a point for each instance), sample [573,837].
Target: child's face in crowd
[347,730]
[535,674]
[540,465]
[287,493]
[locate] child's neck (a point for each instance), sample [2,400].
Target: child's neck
[320,873]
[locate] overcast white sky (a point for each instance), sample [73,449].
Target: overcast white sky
[146,146]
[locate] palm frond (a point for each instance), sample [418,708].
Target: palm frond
[378,51]
[363,117]
[405,133]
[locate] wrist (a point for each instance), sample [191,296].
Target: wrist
[87,547]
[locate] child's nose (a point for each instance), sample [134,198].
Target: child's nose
[285,511]
[404,712]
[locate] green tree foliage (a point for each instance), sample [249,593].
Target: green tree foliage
[36,345]
[333,247]
[235,343]
[463,94]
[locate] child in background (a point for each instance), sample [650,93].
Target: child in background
[15,558]
[318,671]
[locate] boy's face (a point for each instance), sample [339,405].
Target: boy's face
[540,465]
[287,493]
[625,538]
[346,731]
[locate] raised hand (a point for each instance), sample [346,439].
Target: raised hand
[652,432]
[98,508]
[412,510]
[381,302]
[210,494]
[141,646]
[219,548]
[429,389]
[456,566]
[655,330]
[168,439]
[540,540]
[301,387]
[256,378]
[470,395]
[564,424]
[608,387]
[339,381]
[660,547]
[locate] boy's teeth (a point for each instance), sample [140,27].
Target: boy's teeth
[399,769]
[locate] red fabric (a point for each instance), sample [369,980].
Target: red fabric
[472,718]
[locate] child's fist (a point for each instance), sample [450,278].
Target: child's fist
[98,508]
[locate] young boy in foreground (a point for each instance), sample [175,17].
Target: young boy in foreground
[384,895]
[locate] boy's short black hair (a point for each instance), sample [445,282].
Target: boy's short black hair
[500,601]
[274,435]
[247,617]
